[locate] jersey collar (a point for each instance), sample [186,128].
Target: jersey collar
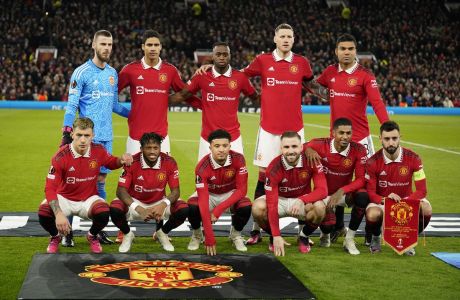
[75,154]
[288,166]
[398,159]
[156,166]
[146,66]
[349,70]
[279,58]
[216,166]
[344,153]
[227,73]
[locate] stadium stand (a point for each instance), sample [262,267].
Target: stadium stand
[416,43]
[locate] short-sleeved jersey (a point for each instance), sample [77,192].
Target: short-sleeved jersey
[288,181]
[220,99]
[148,184]
[74,176]
[149,89]
[339,167]
[94,94]
[216,179]
[384,176]
[349,93]
[281,92]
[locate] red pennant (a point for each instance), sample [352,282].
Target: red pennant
[400,225]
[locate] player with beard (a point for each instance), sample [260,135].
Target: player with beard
[289,194]
[220,89]
[390,173]
[93,93]
[142,196]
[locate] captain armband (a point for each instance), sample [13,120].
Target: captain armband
[419,175]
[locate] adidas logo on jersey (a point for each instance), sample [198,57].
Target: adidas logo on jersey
[140,77]
[333,79]
[212,178]
[140,178]
[95,82]
[71,169]
[212,84]
[284,180]
[271,69]
[383,173]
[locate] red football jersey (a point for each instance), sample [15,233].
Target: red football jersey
[349,92]
[220,94]
[281,92]
[286,181]
[216,179]
[148,184]
[149,89]
[74,176]
[384,176]
[339,167]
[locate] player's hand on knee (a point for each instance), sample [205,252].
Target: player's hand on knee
[62,224]
[297,209]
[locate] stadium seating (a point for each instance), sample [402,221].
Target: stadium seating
[415,43]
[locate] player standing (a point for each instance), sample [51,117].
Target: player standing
[220,89]
[93,93]
[150,80]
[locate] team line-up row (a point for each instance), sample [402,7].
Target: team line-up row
[347,85]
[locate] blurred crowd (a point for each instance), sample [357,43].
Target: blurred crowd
[415,43]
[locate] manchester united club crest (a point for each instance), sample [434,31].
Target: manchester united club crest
[303,175]
[230,173]
[93,164]
[294,69]
[403,171]
[164,275]
[401,213]
[161,176]
[232,84]
[346,162]
[112,80]
[352,82]
[163,77]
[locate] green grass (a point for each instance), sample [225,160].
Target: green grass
[30,138]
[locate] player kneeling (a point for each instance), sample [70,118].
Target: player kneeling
[71,186]
[289,194]
[221,185]
[141,194]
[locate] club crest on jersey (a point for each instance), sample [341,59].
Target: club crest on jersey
[403,171]
[232,84]
[93,164]
[346,162]
[303,175]
[112,80]
[401,213]
[352,82]
[74,84]
[160,274]
[161,176]
[294,69]
[163,77]
[230,173]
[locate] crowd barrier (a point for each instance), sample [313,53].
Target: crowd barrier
[308,109]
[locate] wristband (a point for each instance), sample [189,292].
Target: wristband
[134,205]
[167,201]
[67,129]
